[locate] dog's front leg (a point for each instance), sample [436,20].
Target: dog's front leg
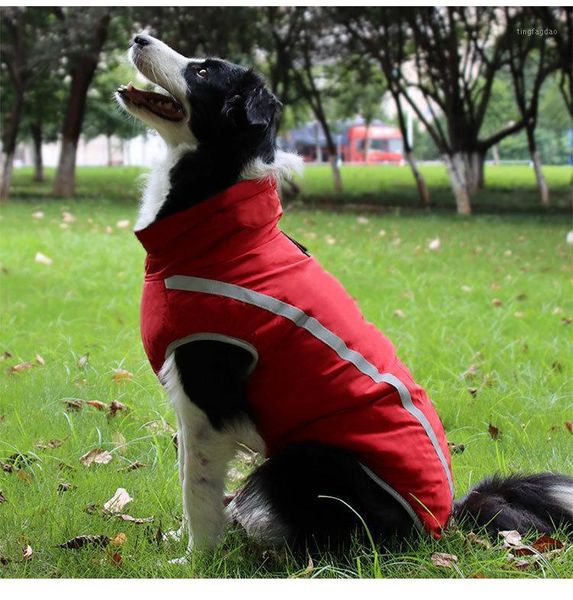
[206,383]
[206,455]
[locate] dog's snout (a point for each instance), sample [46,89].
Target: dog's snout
[142,40]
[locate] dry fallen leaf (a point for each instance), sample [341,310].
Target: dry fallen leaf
[42,259]
[118,540]
[399,313]
[21,367]
[64,487]
[40,360]
[67,217]
[511,538]
[96,404]
[135,520]
[27,552]
[362,220]
[2,497]
[91,508]
[55,443]
[441,559]
[473,391]
[38,214]
[569,426]
[122,224]
[99,456]
[496,302]
[470,372]
[466,288]
[73,404]
[569,237]
[115,407]
[494,432]
[115,558]
[118,501]
[456,448]
[121,375]
[546,543]
[132,467]
[85,540]
[5,355]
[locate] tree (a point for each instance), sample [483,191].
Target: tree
[530,64]
[300,46]
[25,57]
[356,88]
[560,21]
[41,112]
[453,56]
[84,32]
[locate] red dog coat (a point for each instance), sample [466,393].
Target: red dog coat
[223,270]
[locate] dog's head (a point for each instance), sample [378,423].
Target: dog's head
[208,101]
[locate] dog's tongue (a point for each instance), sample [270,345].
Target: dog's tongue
[160,104]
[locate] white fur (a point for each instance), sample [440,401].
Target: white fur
[564,495]
[204,454]
[157,186]
[284,166]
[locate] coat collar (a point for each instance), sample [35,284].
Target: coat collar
[218,227]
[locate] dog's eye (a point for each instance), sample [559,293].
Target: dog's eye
[202,73]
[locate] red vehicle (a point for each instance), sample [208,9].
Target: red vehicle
[385,144]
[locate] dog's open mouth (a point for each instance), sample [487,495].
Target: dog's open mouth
[161,105]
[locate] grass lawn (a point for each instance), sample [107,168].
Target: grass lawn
[493,302]
[508,187]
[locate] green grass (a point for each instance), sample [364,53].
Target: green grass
[87,302]
[508,187]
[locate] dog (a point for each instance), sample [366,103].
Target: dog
[257,345]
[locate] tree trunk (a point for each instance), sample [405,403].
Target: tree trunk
[457,170]
[337,178]
[7,167]
[423,192]
[65,183]
[109,156]
[536,160]
[474,167]
[541,182]
[36,129]
[11,127]
[82,74]
[367,143]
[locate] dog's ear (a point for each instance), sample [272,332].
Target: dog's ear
[257,108]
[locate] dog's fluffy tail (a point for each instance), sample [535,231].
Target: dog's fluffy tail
[542,502]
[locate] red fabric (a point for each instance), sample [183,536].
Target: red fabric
[300,389]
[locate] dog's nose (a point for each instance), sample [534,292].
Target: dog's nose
[141,40]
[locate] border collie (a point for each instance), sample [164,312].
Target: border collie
[257,345]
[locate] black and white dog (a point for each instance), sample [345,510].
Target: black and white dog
[219,123]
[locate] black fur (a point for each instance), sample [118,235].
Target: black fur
[520,502]
[214,375]
[292,482]
[233,118]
